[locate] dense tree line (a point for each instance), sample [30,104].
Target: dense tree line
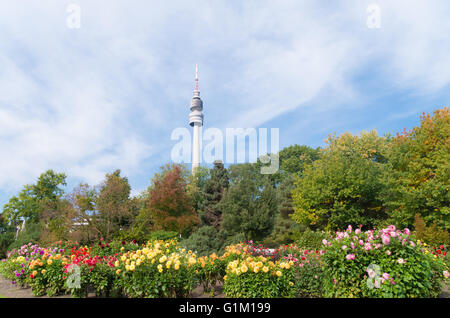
[365,180]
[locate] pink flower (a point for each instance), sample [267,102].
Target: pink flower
[352,245]
[391,228]
[371,273]
[446,274]
[386,276]
[334,281]
[367,246]
[324,242]
[376,283]
[407,231]
[388,252]
[344,247]
[401,261]
[361,242]
[349,228]
[350,257]
[385,239]
[357,231]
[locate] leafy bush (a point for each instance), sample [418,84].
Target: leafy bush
[257,277]
[205,241]
[6,239]
[430,234]
[31,234]
[308,239]
[162,235]
[385,263]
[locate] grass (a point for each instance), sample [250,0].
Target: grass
[1,296]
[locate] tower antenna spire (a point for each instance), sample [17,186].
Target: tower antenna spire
[196,77]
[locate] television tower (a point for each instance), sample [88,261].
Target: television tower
[196,121]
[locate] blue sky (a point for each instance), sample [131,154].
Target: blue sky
[107,95]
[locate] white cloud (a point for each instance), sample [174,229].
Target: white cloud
[107,95]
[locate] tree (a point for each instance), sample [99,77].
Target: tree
[250,204]
[34,198]
[343,186]
[417,177]
[114,209]
[292,161]
[214,190]
[169,204]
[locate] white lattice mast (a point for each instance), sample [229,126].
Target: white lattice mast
[196,121]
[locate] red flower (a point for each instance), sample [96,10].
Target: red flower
[442,247]
[31,276]
[438,251]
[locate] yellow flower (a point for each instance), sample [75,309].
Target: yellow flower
[132,267]
[127,267]
[278,273]
[118,272]
[162,259]
[265,269]
[225,277]
[43,271]
[117,264]
[291,284]
[177,266]
[256,269]
[160,268]
[123,258]
[49,262]
[34,273]
[244,268]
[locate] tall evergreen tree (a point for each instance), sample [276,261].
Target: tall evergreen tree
[250,204]
[214,190]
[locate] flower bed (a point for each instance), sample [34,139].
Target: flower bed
[385,263]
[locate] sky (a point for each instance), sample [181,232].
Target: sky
[90,86]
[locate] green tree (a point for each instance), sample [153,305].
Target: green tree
[114,208]
[418,174]
[250,204]
[32,199]
[343,186]
[214,190]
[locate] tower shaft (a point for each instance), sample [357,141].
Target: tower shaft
[196,121]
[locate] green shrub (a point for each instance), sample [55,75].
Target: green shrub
[31,234]
[162,235]
[430,234]
[385,263]
[205,241]
[6,239]
[309,239]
